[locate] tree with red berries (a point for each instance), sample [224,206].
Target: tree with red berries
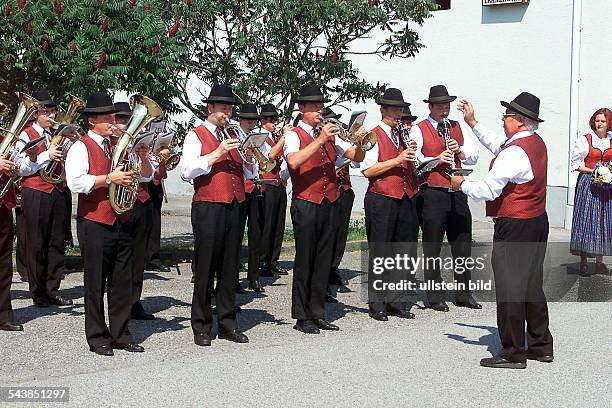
[268,48]
[80,46]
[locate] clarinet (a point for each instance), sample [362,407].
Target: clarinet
[399,127]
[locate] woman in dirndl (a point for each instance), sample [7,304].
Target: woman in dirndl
[592,221]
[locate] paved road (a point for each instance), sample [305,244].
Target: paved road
[429,361]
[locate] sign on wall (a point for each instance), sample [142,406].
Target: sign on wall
[496,2]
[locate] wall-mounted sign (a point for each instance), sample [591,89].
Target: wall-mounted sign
[496,2]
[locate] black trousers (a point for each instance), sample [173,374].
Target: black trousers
[216,230]
[347,197]
[390,220]
[6,264]
[252,211]
[443,212]
[140,216]
[107,255]
[21,255]
[157,198]
[314,228]
[45,219]
[68,226]
[519,249]
[275,204]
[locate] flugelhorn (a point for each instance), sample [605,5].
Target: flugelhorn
[366,142]
[27,106]
[64,138]
[234,131]
[144,110]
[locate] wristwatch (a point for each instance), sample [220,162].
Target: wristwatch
[107,180]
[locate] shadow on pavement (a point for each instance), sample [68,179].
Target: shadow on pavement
[491,339]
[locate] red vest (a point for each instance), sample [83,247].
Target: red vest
[315,179]
[398,181]
[35,182]
[96,206]
[344,179]
[143,192]
[433,145]
[224,182]
[595,155]
[527,200]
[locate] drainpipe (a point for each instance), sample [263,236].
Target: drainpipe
[574,104]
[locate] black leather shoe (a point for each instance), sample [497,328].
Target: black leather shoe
[59,300]
[104,350]
[255,286]
[275,267]
[404,314]
[157,266]
[541,359]
[584,269]
[131,347]
[379,315]
[42,303]
[11,327]
[142,315]
[470,304]
[202,339]
[325,325]
[601,268]
[235,335]
[500,362]
[265,270]
[439,306]
[306,326]
[330,299]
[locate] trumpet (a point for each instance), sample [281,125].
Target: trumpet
[27,106]
[144,110]
[64,138]
[366,142]
[234,131]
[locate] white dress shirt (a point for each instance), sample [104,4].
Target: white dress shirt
[371,156]
[469,148]
[511,165]
[77,167]
[25,166]
[194,164]
[292,141]
[581,149]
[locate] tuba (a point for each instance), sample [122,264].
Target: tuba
[144,110]
[54,172]
[366,142]
[234,131]
[27,106]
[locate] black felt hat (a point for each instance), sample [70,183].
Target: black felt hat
[391,97]
[439,94]
[43,98]
[330,114]
[525,104]
[221,93]
[407,114]
[311,93]
[268,110]
[248,111]
[98,103]
[123,109]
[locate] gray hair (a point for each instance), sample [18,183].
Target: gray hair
[530,124]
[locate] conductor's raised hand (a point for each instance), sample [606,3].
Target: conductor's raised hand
[467,109]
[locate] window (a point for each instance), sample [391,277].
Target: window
[443,4]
